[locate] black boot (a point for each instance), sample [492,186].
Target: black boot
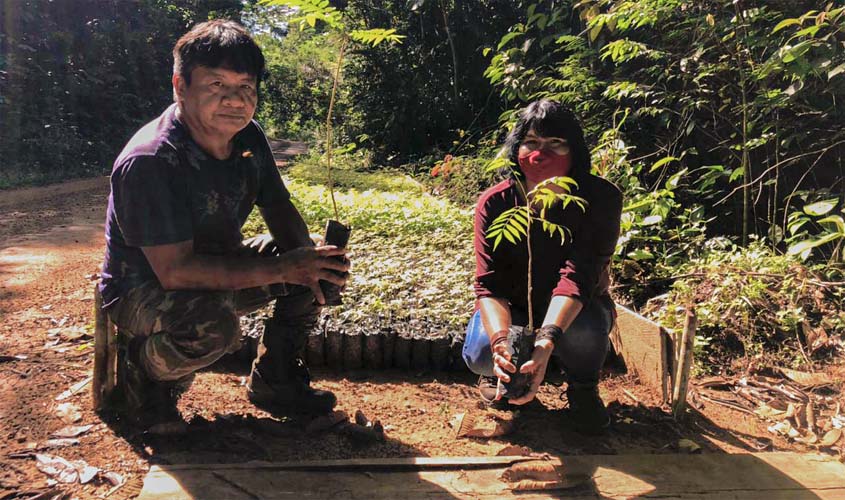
[287,391]
[586,409]
[143,402]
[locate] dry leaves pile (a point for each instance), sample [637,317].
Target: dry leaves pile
[803,407]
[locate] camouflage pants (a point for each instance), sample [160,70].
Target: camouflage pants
[190,329]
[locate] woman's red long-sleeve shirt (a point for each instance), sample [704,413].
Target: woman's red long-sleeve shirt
[578,268]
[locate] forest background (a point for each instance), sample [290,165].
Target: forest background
[722,122]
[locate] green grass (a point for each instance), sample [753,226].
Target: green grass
[411,252]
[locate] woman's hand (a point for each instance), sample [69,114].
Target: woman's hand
[536,366]
[502,365]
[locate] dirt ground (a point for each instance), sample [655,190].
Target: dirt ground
[51,246]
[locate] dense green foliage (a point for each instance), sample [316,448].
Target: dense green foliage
[705,97]
[721,121]
[78,78]
[296,90]
[428,94]
[755,303]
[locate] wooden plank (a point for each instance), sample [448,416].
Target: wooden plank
[415,463]
[763,476]
[646,348]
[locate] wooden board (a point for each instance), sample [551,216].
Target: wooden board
[646,348]
[762,476]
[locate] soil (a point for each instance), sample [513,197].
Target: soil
[51,246]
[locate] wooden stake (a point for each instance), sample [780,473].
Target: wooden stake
[684,364]
[101,356]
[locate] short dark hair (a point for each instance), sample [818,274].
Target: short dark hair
[218,44]
[549,119]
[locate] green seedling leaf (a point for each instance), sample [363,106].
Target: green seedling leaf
[736,174]
[376,36]
[821,207]
[663,161]
[510,224]
[640,255]
[785,23]
[835,220]
[507,38]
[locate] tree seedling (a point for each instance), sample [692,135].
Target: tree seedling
[511,225]
[310,13]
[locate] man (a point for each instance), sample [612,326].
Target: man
[176,274]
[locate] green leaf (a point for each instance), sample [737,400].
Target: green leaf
[663,161]
[507,38]
[736,174]
[836,220]
[639,255]
[791,54]
[785,23]
[811,31]
[510,225]
[675,179]
[595,30]
[375,36]
[821,207]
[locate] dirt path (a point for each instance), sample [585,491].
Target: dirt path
[51,246]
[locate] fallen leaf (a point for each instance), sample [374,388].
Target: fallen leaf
[86,472]
[113,477]
[57,468]
[484,426]
[72,431]
[830,438]
[69,413]
[74,389]
[784,428]
[766,411]
[810,438]
[811,417]
[806,379]
[60,443]
[688,446]
[73,334]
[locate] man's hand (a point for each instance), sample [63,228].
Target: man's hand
[308,265]
[318,239]
[263,243]
[536,366]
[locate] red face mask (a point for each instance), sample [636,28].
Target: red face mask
[544,164]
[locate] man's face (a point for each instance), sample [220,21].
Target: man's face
[218,100]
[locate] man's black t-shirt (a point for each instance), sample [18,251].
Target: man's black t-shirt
[166,189]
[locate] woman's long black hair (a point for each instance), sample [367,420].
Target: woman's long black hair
[549,119]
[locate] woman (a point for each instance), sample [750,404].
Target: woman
[570,279]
